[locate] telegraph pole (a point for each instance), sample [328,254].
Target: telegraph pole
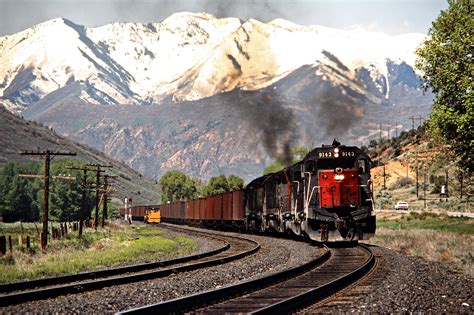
[98,170]
[416,171]
[106,183]
[412,122]
[384,176]
[446,183]
[83,198]
[47,161]
[424,189]
[380,132]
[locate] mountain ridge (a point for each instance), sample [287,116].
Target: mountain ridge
[186,92]
[23,135]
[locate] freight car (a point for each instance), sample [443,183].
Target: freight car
[327,197]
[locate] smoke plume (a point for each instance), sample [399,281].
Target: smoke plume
[274,123]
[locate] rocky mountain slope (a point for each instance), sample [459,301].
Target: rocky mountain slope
[208,95]
[23,135]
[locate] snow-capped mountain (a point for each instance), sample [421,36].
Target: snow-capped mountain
[187,56]
[207,95]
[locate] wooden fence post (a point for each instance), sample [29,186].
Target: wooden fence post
[3,245]
[10,244]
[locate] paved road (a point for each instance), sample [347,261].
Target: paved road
[449,213]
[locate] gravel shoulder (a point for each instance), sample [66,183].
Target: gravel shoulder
[407,284]
[276,254]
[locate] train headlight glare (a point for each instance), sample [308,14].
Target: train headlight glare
[336,155]
[339,177]
[336,150]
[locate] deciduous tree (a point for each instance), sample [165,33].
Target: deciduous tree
[446,60]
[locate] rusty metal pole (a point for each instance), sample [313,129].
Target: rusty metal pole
[44,235]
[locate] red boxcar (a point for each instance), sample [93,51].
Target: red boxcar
[227,206]
[238,212]
[195,206]
[189,209]
[217,207]
[202,208]
[209,208]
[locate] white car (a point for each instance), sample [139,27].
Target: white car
[401,205]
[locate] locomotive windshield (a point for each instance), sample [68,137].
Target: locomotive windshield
[329,164]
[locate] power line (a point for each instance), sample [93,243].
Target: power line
[98,170]
[47,161]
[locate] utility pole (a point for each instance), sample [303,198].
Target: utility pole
[420,120]
[424,189]
[47,161]
[98,170]
[83,198]
[416,170]
[388,130]
[384,176]
[106,183]
[380,132]
[412,122]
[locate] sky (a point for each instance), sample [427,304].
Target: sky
[388,16]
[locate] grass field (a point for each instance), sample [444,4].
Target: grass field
[118,244]
[433,237]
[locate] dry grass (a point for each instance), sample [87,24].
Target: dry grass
[452,248]
[118,244]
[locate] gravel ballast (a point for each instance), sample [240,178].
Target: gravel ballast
[276,254]
[406,284]
[398,284]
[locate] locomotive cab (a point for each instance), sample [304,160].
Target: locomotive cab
[342,206]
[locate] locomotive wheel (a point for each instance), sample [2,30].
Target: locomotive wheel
[297,229]
[324,234]
[350,235]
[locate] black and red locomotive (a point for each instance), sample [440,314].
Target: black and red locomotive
[327,197]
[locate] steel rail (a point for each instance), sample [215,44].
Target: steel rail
[45,293]
[311,296]
[33,284]
[179,305]
[284,306]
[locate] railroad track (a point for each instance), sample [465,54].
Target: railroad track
[282,292]
[233,248]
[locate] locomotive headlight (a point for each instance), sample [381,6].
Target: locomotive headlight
[339,177]
[336,155]
[336,150]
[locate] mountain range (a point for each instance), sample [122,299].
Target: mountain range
[22,135]
[207,95]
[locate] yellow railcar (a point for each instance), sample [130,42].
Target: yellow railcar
[152,215]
